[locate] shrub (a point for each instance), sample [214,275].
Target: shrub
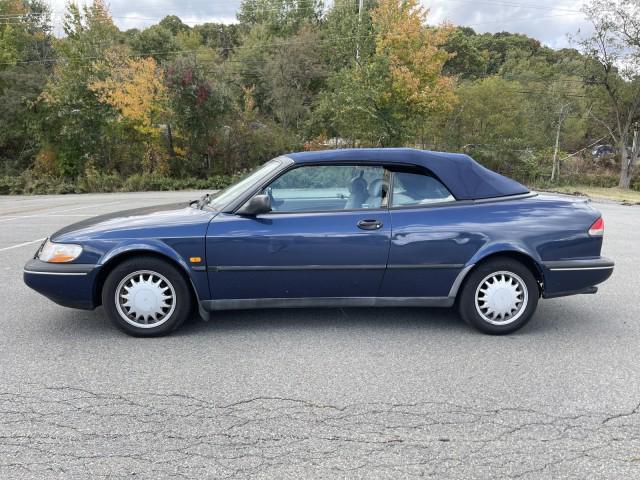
[95,181]
[11,185]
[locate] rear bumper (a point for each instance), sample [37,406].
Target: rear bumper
[69,285]
[571,277]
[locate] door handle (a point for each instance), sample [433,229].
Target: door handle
[369,224]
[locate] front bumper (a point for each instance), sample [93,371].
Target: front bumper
[570,277]
[67,284]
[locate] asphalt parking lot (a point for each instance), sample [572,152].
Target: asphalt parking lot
[290,394]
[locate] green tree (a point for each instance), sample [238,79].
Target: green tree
[74,121]
[467,61]
[155,41]
[246,64]
[173,24]
[281,17]
[293,74]
[134,87]
[251,138]
[614,68]
[498,46]
[25,51]
[492,113]
[199,103]
[491,122]
[220,37]
[357,108]
[402,83]
[348,33]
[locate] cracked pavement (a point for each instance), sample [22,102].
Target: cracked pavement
[290,394]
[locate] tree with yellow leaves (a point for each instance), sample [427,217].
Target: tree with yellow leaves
[134,87]
[382,100]
[412,51]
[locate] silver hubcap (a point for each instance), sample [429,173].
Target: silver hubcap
[501,298]
[145,299]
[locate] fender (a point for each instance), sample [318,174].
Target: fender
[504,247]
[495,249]
[200,285]
[149,245]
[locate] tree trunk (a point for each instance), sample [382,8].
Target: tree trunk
[172,152]
[555,171]
[633,159]
[625,177]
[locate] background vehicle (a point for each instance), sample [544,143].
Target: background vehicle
[363,227]
[603,152]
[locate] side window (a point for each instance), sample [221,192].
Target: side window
[418,189]
[329,187]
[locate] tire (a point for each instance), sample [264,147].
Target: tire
[507,296]
[146,297]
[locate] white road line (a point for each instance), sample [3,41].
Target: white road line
[44,215]
[22,244]
[62,211]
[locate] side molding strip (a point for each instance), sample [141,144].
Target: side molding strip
[420,266]
[54,273]
[328,302]
[577,269]
[601,263]
[38,267]
[279,268]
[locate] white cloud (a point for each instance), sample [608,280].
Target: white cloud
[549,21]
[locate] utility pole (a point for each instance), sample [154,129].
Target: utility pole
[562,115]
[360,5]
[635,150]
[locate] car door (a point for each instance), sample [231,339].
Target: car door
[430,241]
[327,235]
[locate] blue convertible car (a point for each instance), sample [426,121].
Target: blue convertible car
[341,228]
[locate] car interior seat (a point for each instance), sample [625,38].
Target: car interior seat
[378,190]
[358,192]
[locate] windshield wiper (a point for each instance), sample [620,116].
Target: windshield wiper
[204,199]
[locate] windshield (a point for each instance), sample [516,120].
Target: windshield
[224,197]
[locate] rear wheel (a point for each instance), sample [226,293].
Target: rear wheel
[146,297]
[499,297]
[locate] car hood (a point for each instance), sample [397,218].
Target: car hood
[137,221]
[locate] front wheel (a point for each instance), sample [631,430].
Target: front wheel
[146,297]
[499,297]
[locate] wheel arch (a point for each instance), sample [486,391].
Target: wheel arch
[112,261]
[517,255]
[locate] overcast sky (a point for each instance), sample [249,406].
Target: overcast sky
[547,20]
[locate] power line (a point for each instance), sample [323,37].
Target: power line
[528,6]
[542,92]
[522,19]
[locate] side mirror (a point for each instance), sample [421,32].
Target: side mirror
[256,206]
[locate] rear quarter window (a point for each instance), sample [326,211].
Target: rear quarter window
[411,189]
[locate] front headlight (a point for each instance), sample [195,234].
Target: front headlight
[59,252]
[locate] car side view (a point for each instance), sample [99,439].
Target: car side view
[339,228]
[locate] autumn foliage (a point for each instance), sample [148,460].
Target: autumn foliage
[134,87]
[87,103]
[415,55]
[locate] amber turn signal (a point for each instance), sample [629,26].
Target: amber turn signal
[59,252]
[195,259]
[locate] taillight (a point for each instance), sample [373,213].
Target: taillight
[597,228]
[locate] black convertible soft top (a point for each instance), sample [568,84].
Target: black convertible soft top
[465,178]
